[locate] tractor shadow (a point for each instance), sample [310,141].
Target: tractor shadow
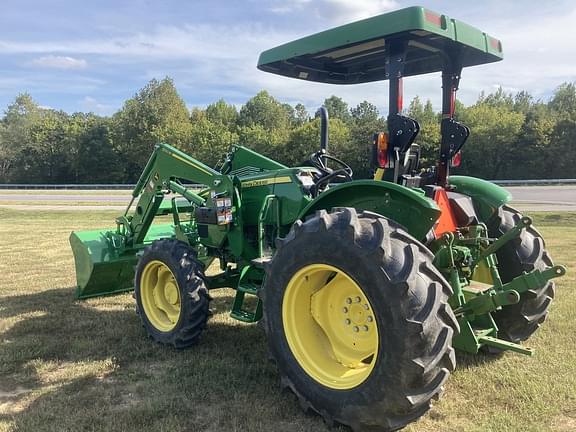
[466,361]
[88,365]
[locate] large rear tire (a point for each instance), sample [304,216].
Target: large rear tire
[357,320]
[171,296]
[527,252]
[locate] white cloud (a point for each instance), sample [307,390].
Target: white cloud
[538,54]
[336,11]
[60,62]
[343,11]
[89,104]
[38,82]
[208,62]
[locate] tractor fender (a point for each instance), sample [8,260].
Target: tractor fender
[487,196]
[407,207]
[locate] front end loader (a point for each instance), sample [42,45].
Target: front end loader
[364,287]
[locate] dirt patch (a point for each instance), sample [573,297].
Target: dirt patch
[565,423]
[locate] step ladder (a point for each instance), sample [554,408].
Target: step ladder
[250,281]
[252,275]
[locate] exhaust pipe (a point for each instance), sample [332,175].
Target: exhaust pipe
[323,113]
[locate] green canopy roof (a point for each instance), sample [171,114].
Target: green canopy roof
[355,53]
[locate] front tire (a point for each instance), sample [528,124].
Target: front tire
[328,276]
[171,296]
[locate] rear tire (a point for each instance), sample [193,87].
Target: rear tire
[527,252]
[171,296]
[408,298]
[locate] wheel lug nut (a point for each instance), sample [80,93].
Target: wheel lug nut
[356,329]
[348,300]
[345,310]
[366,307]
[347,322]
[358,299]
[365,328]
[369,319]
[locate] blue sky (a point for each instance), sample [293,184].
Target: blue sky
[91,56]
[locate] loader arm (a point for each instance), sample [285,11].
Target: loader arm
[163,172]
[105,259]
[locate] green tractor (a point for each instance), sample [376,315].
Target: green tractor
[364,287]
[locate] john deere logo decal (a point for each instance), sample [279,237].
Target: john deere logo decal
[266,182]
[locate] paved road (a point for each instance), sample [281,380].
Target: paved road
[532,198]
[70,196]
[544,198]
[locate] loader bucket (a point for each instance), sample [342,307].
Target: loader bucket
[103,266]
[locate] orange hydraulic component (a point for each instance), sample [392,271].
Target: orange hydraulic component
[447,221]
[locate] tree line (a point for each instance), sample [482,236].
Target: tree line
[513,136]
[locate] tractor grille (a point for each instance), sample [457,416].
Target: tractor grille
[247,171]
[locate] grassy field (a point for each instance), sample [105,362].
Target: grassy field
[68,365]
[104,192]
[68,203]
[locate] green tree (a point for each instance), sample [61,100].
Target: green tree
[562,154]
[155,114]
[305,140]
[16,136]
[523,102]
[47,157]
[497,99]
[337,108]
[209,141]
[364,112]
[5,155]
[429,136]
[365,122]
[222,113]
[97,162]
[264,110]
[513,136]
[290,113]
[531,152]
[564,100]
[489,149]
[301,114]
[269,142]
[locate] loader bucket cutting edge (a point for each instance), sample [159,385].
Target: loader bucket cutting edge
[100,268]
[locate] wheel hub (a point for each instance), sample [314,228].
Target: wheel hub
[171,293]
[337,341]
[160,296]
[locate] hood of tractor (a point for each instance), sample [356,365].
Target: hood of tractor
[356,53]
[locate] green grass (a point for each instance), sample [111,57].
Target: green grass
[103,203]
[72,365]
[104,192]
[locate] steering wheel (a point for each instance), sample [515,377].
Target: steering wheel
[319,159]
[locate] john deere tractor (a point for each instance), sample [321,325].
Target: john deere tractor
[364,287]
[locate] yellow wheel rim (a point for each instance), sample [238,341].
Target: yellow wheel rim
[160,296]
[330,326]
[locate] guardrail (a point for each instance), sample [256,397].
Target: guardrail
[131,186]
[534,182]
[67,186]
